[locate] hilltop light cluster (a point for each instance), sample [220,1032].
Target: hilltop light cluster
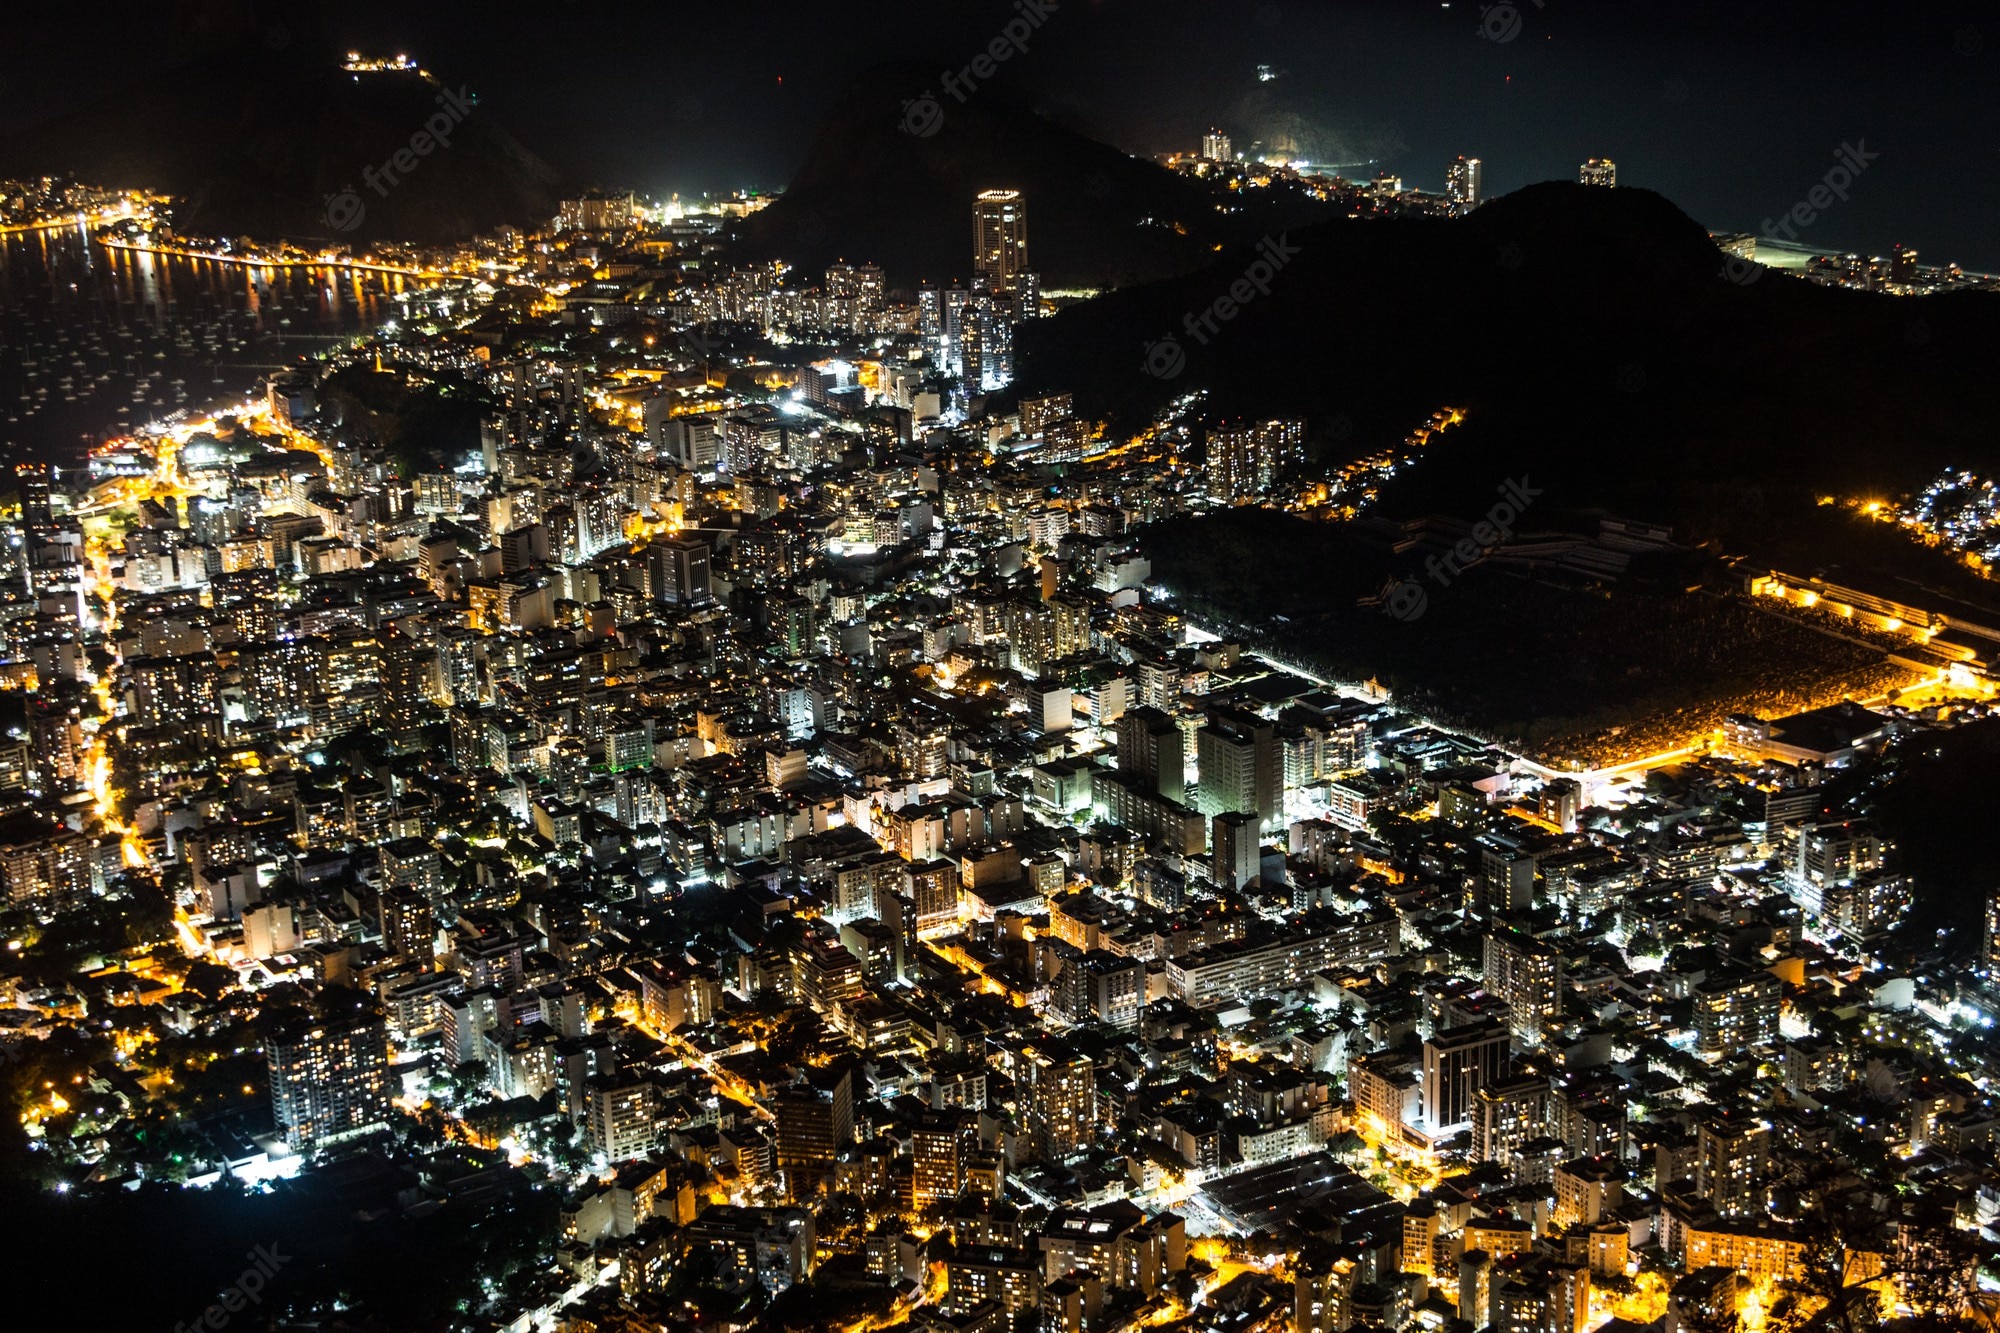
[1960,510]
[684,743]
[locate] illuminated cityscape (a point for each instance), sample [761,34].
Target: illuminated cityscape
[655,766]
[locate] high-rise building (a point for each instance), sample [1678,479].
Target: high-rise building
[1062,1098]
[936,890]
[42,863]
[859,288]
[774,1247]
[1006,1279]
[1215,146]
[1246,460]
[1507,1115]
[815,1121]
[598,212]
[1128,801]
[32,481]
[618,1116]
[680,571]
[1902,264]
[941,1145]
[693,442]
[1263,964]
[1831,856]
[1528,974]
[409,924]
[1151,744]
[1242,764]
[1506,875]
[1585,1188]
[1038,414]
[1730,1158]
[1457,1064]
[1102,987]
[1235,849]
[985,344]
[1000,251]
[412,682]
[1992,950]
[328,1079]
[1461,184]
[1733,1013]
[1598,171]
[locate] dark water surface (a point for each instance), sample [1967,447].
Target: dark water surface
[96,341]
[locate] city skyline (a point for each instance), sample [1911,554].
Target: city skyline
[1595,79]
[1243,722]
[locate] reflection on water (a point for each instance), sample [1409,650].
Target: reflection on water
[97,341]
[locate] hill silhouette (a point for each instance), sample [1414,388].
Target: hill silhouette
[1606,354]
[892,175]
[1598,340]
[257,137]
[1560,667]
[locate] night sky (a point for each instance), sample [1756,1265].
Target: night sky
[1733,111]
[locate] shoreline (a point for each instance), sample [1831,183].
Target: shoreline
[356,265]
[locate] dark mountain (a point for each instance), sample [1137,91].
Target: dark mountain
[1608,358]
[1932,807]
[892,176]
[1565,668]
[1600,342]
[258,135]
